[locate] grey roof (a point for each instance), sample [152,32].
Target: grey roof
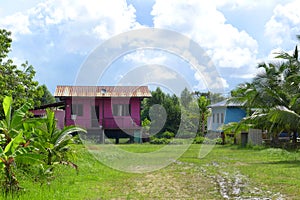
[225,103]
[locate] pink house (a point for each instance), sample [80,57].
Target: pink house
[111,111]
[58,111]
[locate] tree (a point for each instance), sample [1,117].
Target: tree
[274,94]
[47,97]
[202,103]
[157,98]
[17,82]
[172,106]
[165,109]
[186,98]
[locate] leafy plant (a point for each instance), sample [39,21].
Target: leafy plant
[168,135]
[13,145]
[27,142]
[198,140]
[54,143]
[16,81]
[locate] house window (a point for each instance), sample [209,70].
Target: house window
[218,118]
[77,109]
[121,109]
[222,118]
[214,118]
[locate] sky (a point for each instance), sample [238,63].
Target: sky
[58,37]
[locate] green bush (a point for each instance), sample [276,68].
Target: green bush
[203,140]
[198,140]
[218,140]
[168,135]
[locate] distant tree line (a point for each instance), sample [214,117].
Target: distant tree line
[190,111]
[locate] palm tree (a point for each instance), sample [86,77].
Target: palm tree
[274,94]
[203,102]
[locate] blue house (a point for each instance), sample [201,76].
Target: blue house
[224,112]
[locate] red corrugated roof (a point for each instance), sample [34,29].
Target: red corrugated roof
[102,91]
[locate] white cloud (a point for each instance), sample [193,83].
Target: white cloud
[284,25]
[71,22]
[246,4]
[150,57]
[17,23]
[212,82]
[226,45]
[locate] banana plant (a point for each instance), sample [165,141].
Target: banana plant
[12,122]
[55,143]
[13,147]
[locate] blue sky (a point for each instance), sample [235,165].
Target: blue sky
[57,37]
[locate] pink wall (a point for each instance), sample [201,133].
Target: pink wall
[109,121]
[59,115]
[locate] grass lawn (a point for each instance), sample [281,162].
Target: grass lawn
[227,172]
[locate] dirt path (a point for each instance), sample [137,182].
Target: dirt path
[177,181]
[190,181]
[232,184]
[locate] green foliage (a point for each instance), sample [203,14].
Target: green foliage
[168,135]
[13,145]
[155,140]
[274,93]
[5,42]
[46,98]
[197,112]
[55,143]
[190,111]
[204,140]
[270,170]
[146,122]
[16,82]
[31,144]
[199,140]
[190,118]
[172,109]
[186,98]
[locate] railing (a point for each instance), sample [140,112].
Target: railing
[119,122]
[107,123]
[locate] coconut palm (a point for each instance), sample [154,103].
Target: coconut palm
[274,94]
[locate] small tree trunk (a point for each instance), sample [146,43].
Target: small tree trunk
[11,183]
[203,123]
[294,137]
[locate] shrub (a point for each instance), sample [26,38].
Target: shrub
[198,140]
[168,135]
[218,140]
[203,140]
